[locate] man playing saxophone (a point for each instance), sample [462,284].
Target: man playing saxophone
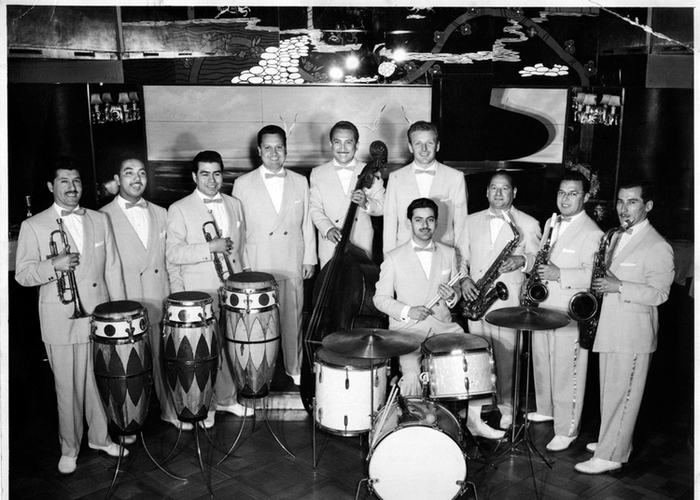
[89,272]
[560,364]
[638,281]
[488,235]
[192,256]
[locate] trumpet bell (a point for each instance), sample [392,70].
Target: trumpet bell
[583,306]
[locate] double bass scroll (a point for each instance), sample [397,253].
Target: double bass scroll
[344,287]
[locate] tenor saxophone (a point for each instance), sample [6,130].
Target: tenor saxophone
[585,306]
[488,288]
[534,289]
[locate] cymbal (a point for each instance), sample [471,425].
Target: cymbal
[527,318]
[370,343]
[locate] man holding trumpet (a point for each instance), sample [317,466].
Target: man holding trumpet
[71,250]
[193,248]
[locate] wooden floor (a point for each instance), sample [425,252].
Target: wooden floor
[661,466]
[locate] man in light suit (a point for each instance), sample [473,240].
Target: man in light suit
[560,364]
[191,257]
[638,281]
[427,178]
[488,234]
[280,239]
[139,233]
[333,189]
[94,262]
[410,276]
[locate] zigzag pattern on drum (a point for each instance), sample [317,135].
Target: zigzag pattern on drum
[254,347]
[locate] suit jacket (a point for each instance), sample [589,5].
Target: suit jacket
[481,254]
[277,243]
[402,282]
[98,276]
[573,253]
[448,190]
[187,251]
[629,320]
[145,269]
[329,206]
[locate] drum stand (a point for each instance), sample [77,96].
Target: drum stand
[119,462]
[267,422]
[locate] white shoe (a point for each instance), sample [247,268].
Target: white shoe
[67,465]
[537,417]
[208,422]
[128,439]
[112,450]
[296,379]
[506,421]
[592,447]
[560,443]
[597,466]
[185,426]
[482,429]
[237,409]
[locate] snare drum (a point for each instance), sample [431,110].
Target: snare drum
[416,455]
[190,353]
[458,366]
[344,389]
[252,331]
[122,361]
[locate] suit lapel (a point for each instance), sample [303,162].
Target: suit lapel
[631,245]
[152,235]
[410,180]
[436,187]
[88,246]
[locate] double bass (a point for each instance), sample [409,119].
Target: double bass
[345,286]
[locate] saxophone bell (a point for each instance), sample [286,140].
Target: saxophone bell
[583,306]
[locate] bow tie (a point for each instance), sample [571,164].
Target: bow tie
[213,200]
[563,218]
[496,216]
[429,248]
[278,174]
[338,168]
[140,204]
[76,211]
[425,171]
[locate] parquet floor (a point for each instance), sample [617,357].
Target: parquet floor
[661,466]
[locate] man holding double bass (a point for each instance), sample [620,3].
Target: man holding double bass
[191,256]
[80,254]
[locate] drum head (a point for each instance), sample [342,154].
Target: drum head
[249,280]
[448,342]
[327,357]
[118,309]
[190,298]
[417,462]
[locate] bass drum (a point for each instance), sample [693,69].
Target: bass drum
[416,453]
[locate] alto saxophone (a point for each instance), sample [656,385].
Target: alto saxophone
[488,289]
[534,290]
[585,307]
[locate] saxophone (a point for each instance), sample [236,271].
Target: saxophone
[489,290]
[585,307]
[534,290]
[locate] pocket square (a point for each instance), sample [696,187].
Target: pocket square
[567,250]
[445,199]
[297,201]
[446,271]
[99,243]
[628,264]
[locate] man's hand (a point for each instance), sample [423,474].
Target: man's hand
[221,245]
[333,235]
[469,290]
[419,313]
[307,271]
[512,263]
[448,293]
[359,198]
[548,272]
[608,284]
[64,262]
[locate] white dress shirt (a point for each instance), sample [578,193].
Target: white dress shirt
[424,180]
[74,225]
[218,211]
[628,235]
[496,224]
[346,173]
[274,185]
[137,217]
[563,225]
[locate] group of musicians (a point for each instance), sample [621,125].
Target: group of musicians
[133,249]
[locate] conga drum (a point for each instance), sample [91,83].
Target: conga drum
[252,330]
[190,353]
[122,362]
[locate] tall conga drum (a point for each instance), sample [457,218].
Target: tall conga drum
[252,330]
[122,362]
[190,353]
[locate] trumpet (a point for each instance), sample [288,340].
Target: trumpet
[217,261]
[67,286]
